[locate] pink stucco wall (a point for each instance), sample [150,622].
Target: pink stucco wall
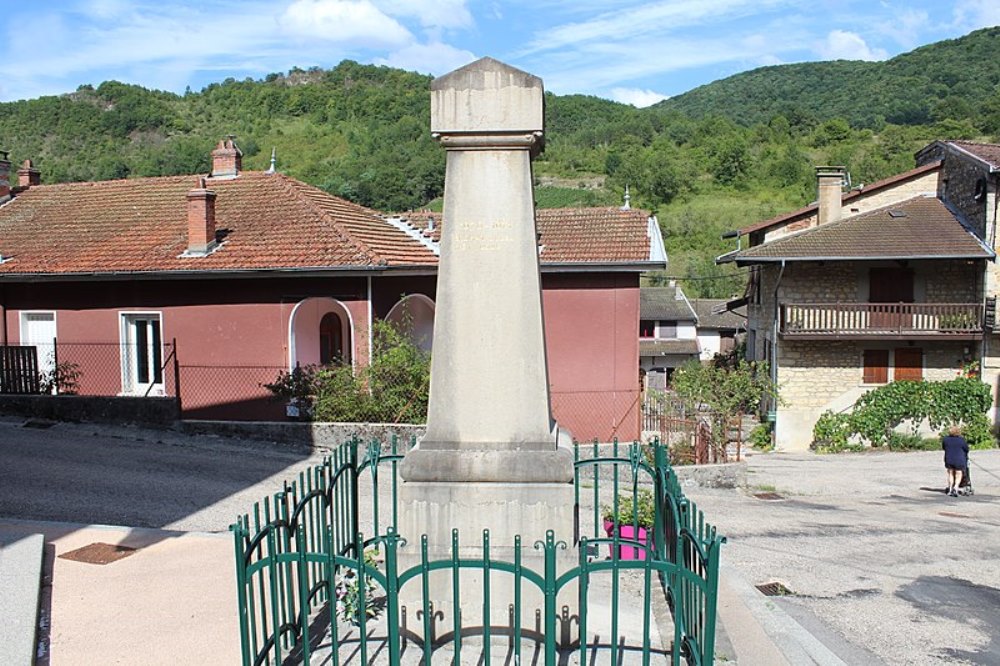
[233,335]
[592,342]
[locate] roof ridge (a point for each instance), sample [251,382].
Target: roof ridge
[307,193]
[843,220]
[853,194]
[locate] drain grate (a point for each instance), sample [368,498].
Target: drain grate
[768,496]
[774,590]
[98,553]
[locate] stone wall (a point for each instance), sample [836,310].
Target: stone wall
[160,412]
[318,437]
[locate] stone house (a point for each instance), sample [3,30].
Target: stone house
[668,333]
[674,330]
[889,281]
[204,287]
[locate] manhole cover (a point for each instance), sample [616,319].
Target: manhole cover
[98,553]
[768,496]
[774,590]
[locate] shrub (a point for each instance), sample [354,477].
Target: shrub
[63,378]
[760,437]
[832,432]
[877,414]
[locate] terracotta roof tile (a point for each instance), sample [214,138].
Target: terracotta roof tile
[918,227]
[574,235]
[267,221]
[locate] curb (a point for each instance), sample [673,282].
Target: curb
[20,580]
[795,643]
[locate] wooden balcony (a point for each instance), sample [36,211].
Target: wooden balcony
[887,321]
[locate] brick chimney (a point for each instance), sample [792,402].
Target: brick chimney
[28,175]
[226,159]
[830,186]
[201,219]
[4,175]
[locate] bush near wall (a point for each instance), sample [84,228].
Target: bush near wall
[875,416]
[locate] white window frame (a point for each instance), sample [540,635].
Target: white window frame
[129,369]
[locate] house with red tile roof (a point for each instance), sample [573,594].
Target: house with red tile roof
[889,281]
[204,287]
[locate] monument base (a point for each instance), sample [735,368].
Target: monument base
[435,508]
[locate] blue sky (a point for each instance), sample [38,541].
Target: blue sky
[634,51]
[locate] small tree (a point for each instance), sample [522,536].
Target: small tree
[726,389]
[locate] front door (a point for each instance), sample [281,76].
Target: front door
[891,287]
[38,329]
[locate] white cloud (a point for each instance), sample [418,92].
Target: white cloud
[356,22]
[637,96]
[843,45]
[430,13]
[975,14]
[434,58]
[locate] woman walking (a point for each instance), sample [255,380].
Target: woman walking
[956,457]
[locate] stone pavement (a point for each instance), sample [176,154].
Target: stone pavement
[173,601]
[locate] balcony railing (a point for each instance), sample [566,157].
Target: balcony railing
[954,321]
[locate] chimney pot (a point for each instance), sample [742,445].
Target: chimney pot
[227,159]
[28,175]
[4,175]
[200,219]
[830,188]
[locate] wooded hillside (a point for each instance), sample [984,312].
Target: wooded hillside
[717,158]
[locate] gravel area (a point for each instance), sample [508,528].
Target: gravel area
[871,547]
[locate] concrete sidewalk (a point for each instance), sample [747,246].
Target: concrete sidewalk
[174,601]
[171,602]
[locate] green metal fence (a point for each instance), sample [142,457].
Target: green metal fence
[303,564]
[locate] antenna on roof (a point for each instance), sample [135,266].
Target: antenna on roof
[628,199]
[274,160]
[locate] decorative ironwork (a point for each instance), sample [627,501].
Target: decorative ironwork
[291,548]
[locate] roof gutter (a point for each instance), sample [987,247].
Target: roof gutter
[911,257]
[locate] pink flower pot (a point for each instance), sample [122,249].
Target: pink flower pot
[627,532]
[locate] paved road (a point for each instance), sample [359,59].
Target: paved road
[879,561]
[129,476]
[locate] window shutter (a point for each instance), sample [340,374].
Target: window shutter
[876,366]
[909,364]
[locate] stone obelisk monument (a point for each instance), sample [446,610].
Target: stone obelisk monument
[492,456]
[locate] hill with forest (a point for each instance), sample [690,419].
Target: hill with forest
[718,158]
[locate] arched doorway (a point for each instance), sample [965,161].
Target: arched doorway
[414,315]
[320,331]
[331,339]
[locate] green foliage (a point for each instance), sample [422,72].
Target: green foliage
[761,438]
[947,79]
[878,413]
[726,389]
[350,596]
[63,379]
[642,512]
[715,159]
[393,389]
[832,433]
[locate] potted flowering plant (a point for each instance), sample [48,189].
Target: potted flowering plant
[633,521]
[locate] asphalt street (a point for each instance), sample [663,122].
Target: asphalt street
[879,563]
[93,474]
